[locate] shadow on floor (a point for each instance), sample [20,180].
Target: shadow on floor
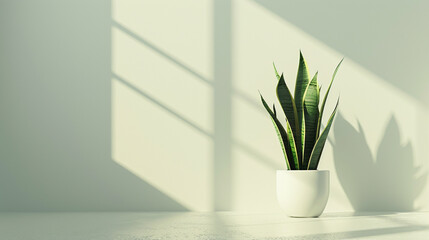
[361,233]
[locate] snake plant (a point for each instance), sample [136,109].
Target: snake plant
[301,139]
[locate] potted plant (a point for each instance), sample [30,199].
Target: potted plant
[302,190]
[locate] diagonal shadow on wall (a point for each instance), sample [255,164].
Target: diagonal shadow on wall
[223,91]
[55,145]
[375,34]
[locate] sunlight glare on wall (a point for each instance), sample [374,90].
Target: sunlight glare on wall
[162,96]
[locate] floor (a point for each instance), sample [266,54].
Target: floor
[223,225]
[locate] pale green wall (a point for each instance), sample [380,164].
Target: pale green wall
[153,105]
[55,128]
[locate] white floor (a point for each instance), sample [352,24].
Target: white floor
[224,225]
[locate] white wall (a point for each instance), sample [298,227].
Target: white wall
[153,105]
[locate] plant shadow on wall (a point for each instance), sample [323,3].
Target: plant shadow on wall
[390,182]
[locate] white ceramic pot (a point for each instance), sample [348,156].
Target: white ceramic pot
[303,193]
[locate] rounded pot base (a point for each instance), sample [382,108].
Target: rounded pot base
[302,193]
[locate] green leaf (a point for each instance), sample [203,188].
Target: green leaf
[302,79]
[292,147]
[289,108]
[274,110]
[322,108]
[275,70]
[281,133]
[311,117]
[320,143]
